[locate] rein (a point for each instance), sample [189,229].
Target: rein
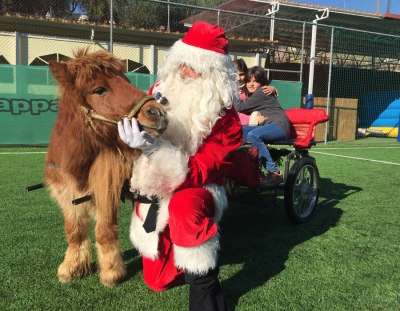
[91,114]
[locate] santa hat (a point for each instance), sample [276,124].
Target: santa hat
[208,37]
[205,46]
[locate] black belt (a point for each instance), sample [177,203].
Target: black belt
[150,222]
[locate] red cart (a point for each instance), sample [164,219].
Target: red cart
[301,175]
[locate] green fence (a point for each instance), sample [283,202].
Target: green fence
[28,107]
[289,93]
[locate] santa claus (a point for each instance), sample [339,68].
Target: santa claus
[179,176]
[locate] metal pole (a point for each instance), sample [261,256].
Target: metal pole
[111,27]
[312,57]
[16,48]
[271,31]
[168,27]
[92,38]
[310,97]
[274,8]
[302,53]
[152,59]
[329,85]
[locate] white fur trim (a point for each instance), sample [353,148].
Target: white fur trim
[220,200]
[199,259]
[162,172]
[199,59]
[147,243]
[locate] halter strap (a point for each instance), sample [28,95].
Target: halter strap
[138,106]
[91,114]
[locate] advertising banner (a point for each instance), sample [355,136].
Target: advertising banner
[28,103]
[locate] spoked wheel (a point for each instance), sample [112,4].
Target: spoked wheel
[301,190]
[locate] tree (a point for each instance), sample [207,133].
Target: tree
[97,10]
[142,14]
[126,13]
[57,8]
[179,13]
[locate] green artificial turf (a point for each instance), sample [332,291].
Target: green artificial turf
[346,258]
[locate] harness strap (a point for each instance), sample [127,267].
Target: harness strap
[145,199]
[150,223]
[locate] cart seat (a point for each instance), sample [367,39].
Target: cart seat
[302,127]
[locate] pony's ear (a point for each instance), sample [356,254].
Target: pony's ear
[60,72]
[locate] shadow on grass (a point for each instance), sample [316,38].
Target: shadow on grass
[133,264]
[258,239]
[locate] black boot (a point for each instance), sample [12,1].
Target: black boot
[205,293]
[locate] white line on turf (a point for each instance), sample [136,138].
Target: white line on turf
[354,148]
[342,156]
[23,152]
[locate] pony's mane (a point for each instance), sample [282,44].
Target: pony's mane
[85,65]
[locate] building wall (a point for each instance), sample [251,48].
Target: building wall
[31,46]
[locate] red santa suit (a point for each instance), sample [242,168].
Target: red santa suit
[186,171]
[192,200]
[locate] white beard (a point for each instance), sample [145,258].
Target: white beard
[192,112]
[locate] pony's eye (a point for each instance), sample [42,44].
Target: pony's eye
[100,91]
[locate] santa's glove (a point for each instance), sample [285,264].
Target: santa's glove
[131,135]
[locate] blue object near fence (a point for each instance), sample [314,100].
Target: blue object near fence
[309,101]
[398,132]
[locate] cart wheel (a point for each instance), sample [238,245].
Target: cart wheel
[301,190]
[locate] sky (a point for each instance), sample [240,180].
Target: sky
[357,5]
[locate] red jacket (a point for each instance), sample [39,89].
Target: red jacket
[212,160]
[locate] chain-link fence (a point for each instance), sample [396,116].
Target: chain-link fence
[354,74]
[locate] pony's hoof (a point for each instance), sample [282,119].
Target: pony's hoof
[112,277]
[66,274]
[66,278]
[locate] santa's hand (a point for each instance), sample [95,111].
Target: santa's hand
[131,135]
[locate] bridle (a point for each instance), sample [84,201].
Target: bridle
[91,114]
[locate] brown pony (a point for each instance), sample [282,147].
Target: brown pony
[86,157]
